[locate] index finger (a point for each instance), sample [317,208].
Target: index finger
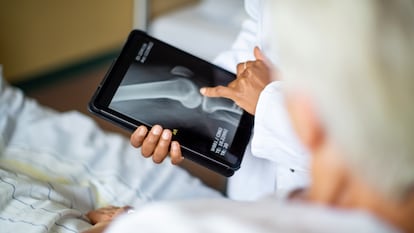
[138,136]
[218,91]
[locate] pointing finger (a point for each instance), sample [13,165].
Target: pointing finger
[218,91]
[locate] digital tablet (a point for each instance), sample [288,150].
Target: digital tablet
[152,82]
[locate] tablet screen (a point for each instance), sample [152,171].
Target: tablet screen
[160,85]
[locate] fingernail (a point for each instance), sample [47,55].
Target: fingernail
[166,135]
[141,131]
[203,90]
[156,130]
[174,146]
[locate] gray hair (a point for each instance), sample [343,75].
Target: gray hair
[356,59]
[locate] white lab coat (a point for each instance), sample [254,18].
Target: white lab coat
[274,160]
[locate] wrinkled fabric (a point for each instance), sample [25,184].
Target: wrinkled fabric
[54,167]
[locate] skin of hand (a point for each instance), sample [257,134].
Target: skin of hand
[105,214]
[101,217]
[252,78]
[156,144]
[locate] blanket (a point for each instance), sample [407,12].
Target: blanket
[55,167]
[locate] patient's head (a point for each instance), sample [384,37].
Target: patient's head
[349,69]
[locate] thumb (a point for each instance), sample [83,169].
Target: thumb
[258,54]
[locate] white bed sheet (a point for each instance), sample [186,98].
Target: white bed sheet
[55,167]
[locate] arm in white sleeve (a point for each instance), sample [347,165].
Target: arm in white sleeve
[274,138]
[247,39]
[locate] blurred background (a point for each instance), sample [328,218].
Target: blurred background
[58,51]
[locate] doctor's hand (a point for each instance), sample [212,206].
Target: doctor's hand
[252,78]
[157,144]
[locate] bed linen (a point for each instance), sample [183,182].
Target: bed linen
[55,167]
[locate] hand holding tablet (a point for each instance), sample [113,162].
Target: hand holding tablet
[152,83]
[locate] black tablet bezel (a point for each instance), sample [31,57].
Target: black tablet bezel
[101,99]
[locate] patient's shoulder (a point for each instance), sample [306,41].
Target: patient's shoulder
[259,217]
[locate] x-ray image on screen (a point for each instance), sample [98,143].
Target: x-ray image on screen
[167,93]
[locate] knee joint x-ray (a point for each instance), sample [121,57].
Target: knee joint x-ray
[179,89]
